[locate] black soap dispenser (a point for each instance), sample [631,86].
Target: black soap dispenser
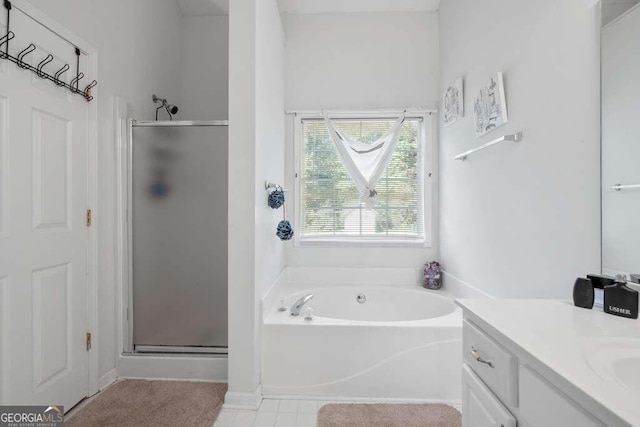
[621,300]
[583,293]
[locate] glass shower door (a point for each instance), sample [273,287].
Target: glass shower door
[179,237]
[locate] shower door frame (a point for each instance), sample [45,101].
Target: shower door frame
[127,295]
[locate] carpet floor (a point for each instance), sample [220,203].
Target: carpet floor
[152,403]
[388,415]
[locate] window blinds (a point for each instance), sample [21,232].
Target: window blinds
[330,200]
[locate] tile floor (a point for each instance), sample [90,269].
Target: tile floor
[276,413]
[273,413]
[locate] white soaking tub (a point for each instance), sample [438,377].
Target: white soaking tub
[404,343]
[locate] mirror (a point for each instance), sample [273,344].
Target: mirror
[621,138]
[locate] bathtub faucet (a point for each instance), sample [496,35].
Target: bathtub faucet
[297,306]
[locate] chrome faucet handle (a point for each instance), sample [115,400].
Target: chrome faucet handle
[309,315]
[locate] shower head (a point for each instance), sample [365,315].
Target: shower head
[171,109]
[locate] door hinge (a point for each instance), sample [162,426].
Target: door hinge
[88,217]
[88,341]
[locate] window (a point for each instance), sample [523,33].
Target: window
[329,208]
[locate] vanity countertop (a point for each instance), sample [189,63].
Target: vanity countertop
[569,341]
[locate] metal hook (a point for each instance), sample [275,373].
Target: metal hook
[269,185]
[87,90]
[19,60]
[4,40]
[41,65]
[24,53]
[60,72]
[75,82]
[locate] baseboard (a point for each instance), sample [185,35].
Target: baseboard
[246,401]
[107,379]
[275,395]
[173,367]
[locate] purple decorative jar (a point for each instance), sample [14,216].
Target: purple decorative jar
[432,276]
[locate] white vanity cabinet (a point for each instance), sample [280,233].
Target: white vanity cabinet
[480,407]
[501,390]
[544,405]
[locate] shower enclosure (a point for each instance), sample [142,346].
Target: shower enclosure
[177,226]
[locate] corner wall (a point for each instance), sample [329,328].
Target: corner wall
[244,375]
[256,138]
[523,220]
[270,139]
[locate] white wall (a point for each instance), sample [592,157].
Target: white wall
[620,143]
[138,47]
[204,68]
[523,221]
[359,61]
[270,141]
[256,137]
[244,376]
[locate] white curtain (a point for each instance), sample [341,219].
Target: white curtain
[366,163]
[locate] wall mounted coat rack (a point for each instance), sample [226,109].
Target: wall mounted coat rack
[19,60]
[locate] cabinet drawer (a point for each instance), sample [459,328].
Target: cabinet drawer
[495,365]
[480,408]
[543,405]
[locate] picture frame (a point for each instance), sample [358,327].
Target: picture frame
[490,106]
[453,102]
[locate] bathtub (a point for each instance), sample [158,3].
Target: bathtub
[404,343]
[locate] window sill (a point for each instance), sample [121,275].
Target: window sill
[337,243]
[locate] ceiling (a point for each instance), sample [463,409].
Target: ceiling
[204,7]
[221,7]
[347,6]
[611,9]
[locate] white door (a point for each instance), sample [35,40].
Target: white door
[43,232]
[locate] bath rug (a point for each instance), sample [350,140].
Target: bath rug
[152,403]
[388,415]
